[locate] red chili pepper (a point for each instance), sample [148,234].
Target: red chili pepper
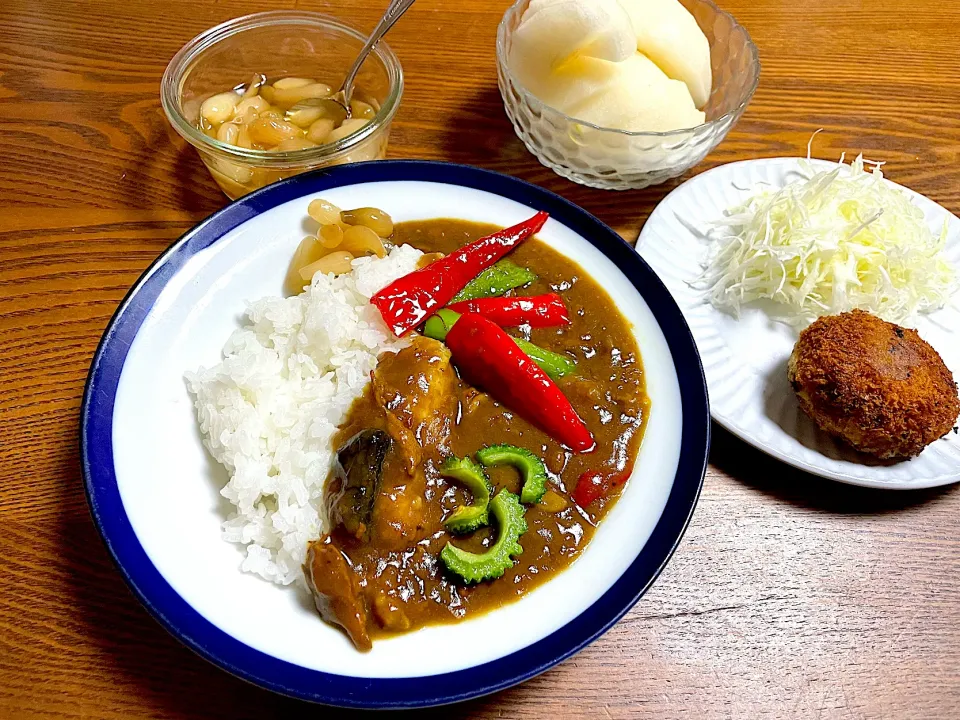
[407,302]
[488,358]
[536,311]
[594,484]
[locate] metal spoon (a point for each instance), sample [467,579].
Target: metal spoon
[339,102]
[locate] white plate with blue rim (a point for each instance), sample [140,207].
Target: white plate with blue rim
[745,358]
[154,494]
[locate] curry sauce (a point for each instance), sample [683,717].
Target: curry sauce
[382,574]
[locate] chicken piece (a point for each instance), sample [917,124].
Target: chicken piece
[879,387]
[415,389]
[336,590]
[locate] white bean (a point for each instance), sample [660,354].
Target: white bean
[336,262]
[373,218]
[324,212]
[267,131]
[293,144]
[291,82]
[305,117]
[228,133]
[348,128]
[219,108]
[330,236]
[320,130]
[237,173]
[360,240]
[251,105]
[288,97]
[360,109]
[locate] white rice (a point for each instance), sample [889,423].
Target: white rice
[268,411]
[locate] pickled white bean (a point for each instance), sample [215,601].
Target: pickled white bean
[336,262]
[219,108]
[291,96]
[304,117]
[243,138]
[232,188]
[307,252]
[228,133]
[237,173]
[252,106]
[373,218]
[324,212]
[360,109]
[348,128]
[287,114]
[294,144]
[330,236]
[291,82]
[269,131]
[320,130]
[267,93]
[361,240]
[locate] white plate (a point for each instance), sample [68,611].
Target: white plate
[153,490]
[745,360]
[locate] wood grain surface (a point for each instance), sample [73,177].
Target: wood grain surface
[789,597]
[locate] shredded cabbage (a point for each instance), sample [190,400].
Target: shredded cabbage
[831,241]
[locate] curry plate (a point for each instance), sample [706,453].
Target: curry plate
[153,490]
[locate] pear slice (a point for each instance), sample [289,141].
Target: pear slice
[553,32]
[639,97]
[669,35]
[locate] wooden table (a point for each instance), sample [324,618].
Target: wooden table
[790,597]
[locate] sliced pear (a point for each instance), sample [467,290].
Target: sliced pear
[640,98]
[669,35]
[554,31]
[574,83]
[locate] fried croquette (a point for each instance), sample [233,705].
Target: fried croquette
[877,386]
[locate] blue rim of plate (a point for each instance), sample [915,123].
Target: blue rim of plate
[187,625]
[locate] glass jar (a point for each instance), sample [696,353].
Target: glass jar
[277,45]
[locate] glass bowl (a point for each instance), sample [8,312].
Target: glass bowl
[277,44]
[617,159]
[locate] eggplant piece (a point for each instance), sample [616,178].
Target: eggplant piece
[358,472]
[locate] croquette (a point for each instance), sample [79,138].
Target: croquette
[877,386]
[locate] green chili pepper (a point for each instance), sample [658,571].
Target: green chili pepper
[553,364]
[438,325]
[494,281]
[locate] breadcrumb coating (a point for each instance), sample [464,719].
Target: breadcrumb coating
[877,386]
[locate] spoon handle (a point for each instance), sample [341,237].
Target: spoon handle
[394,10]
